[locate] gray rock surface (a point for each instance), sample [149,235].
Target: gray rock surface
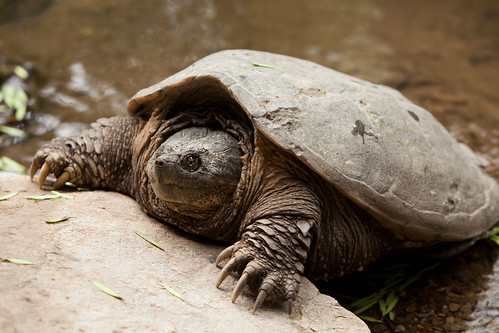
[99,243]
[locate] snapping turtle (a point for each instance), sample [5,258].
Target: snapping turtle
[302,169]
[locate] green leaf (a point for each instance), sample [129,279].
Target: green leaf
[371,319]
[391,305]
[20,104]
[57,220]
[15,98]
[8,164]
[8,94]
[77,188]
[42,197]
[21,72]
[8,196]
[391,315]
[17,261]
[150,241]
[12,131]
[173,292]
[365,306]
[62,195]
[106,290]
[263,65]
[56,195]
[382,307]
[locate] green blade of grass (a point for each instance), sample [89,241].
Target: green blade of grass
[371,319]
[106,290]
[57,220]
[173,292]
[8,196]
[8,164]
[17,261]
[12,131]
[382,307]
[77,188]
[365,307]
[62,195]
[42,197]
[390,306]
[149,240]
[263,65]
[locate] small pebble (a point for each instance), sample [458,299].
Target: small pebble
[454,307]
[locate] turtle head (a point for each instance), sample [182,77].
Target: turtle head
[196,170]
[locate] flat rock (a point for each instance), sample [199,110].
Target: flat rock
[99,243]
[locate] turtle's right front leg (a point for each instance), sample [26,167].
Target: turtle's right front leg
[100,157]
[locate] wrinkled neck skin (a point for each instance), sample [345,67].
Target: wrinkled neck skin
[223,224]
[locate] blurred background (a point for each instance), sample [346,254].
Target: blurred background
[84,59]
[89,56]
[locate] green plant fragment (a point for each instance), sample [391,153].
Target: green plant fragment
[62,195]
[57,220]
[21,72]
[8,196]
[12,131]
[106,290]
[8,164]
[77,188]
[263,65]
[149,240]
[382,307]
[391,301]
[173,292]
[371,319]
[42,197]
[17,261]
[56,195]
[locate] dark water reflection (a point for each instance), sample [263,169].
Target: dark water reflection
[92,55]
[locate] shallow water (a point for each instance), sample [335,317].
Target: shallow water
[91,56]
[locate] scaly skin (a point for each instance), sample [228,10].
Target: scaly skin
[100,158]
[297,224]
[283,220]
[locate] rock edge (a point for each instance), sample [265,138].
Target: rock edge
[99,243]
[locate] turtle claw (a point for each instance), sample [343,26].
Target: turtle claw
[225,254]
[262,295]
[44,172]
[243,281]
[61,180]
[32,171]
[228,268]
[276,283]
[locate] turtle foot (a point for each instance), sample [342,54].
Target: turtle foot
[53,158]
[276,281]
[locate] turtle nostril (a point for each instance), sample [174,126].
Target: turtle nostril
[159,163]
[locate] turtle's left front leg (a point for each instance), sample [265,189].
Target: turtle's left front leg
[271,253]
[101,157]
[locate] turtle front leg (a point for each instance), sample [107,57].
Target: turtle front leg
[271,254]
[100,158]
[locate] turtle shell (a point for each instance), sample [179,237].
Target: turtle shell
[391,157]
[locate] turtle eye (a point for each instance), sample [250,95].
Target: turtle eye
[190,162]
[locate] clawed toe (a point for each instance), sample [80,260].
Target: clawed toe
[44,172]
[275,285]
